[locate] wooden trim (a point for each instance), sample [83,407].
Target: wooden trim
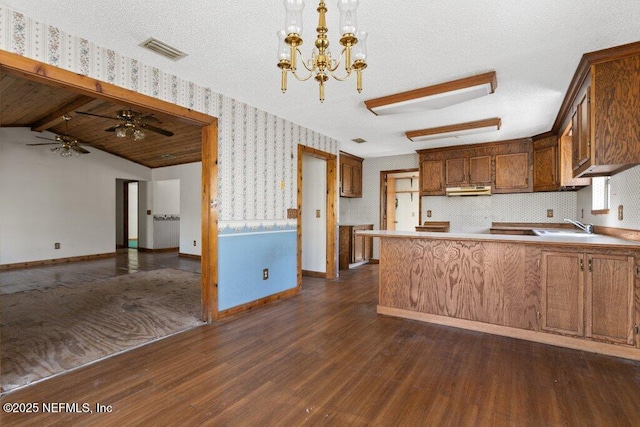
[424,92]
[331,208]
[505,331]
[258,303]
[600,212]
[28,264]
[494,121]
[622,233]
[191,256]
[314,274]
[374,261]
[467,147]
[38,71]
[383,194]
[544,136]
[209,217]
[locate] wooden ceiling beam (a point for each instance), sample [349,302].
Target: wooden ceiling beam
[50,119]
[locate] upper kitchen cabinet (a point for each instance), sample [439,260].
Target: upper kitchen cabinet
[472,170]
[602,109]
[350,175]
[506,166]
[432,177]
[552,162]
[512,173]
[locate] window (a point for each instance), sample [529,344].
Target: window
[600,195]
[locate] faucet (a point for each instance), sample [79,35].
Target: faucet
[587,228]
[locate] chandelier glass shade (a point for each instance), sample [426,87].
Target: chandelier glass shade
[129,130]
[321,65]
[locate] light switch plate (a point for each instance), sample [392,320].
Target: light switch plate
[620,213]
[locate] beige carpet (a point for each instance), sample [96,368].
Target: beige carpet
[48,331]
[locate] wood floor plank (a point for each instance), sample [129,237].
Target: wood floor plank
[326,357]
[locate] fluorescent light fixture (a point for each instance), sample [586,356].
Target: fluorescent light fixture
[460,129]
[434,97]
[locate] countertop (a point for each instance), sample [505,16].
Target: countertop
[590,240]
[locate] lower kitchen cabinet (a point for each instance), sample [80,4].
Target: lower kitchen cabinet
[588,295]
[354,249]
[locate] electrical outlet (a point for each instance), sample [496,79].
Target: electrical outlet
[56,245]
[429,214]
[317,213]
[620,213]
[549,213]
[265,273]
[194,243]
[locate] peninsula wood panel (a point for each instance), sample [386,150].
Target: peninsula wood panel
[477,281]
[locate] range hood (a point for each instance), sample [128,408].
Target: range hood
[475,190]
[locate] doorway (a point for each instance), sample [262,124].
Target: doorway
[399,200]
[323,202]
[131,214]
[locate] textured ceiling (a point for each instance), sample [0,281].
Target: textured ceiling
[534,47]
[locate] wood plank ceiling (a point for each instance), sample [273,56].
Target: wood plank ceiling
[40,107]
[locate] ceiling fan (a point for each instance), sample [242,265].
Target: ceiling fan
[67,146]
[132,124]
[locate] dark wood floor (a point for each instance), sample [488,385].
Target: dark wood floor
[325,356]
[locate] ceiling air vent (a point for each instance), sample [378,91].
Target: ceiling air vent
[163,49]
[359,140]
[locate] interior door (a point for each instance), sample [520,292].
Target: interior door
[391,203]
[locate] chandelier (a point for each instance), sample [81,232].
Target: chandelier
[321,64]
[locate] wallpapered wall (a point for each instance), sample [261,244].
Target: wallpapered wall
[257,156]
[257,150]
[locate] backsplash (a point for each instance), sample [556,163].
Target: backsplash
[474,214]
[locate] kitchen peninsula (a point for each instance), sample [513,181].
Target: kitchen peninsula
[579,291]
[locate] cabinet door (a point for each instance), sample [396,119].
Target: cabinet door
[358,247]
[480,170]
[512,172]
[456,172]
[432,178]
[545,169]
[347,182]
[356,180]
[609,307]
[581,124]
[563,293]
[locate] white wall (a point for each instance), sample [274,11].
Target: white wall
[625,191]
[166,197]
[314,230]
[45,198]
[189,177]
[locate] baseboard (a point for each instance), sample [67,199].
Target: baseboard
[259,303]
[314,274]
[374,261]
[506,331]
[158,250]
[40,263]
[183,255]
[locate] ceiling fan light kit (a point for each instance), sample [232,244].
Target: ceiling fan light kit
[68,146]
[321,65]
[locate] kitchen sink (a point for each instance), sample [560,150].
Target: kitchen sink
[561,233]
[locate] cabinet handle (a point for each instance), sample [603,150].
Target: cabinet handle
[590,265]
[581,265]
[538,263]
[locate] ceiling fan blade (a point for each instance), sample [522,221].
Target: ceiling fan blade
[97,115]
[156,129]
[80,150]
[149,118]
[45,143]
[112,128]
[42,137]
